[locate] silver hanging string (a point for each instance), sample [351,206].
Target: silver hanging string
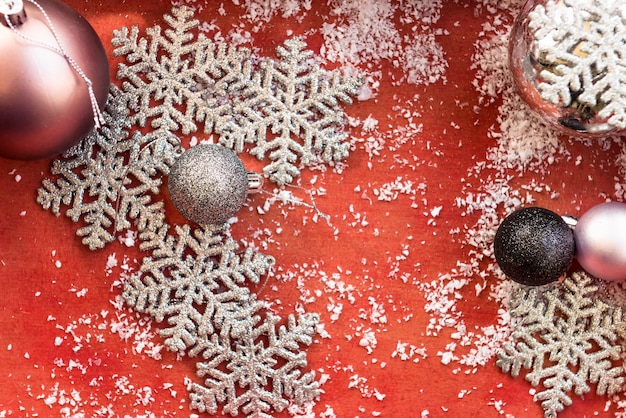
[98,118]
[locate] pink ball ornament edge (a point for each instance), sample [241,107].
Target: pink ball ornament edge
[44,104]
[600,237]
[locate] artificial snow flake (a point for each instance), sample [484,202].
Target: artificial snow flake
[368,31]
[262,11]
[107,179]
[568,338]
[289,110]
[582,45]
[194,280]
[264,361]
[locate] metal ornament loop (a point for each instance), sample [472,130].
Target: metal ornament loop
[12,13]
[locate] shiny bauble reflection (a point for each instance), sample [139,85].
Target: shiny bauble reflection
[577,110]
[44,104]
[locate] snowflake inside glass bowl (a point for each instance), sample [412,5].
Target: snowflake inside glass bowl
[568,60]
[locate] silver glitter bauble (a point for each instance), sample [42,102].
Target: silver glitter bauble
[534,246]
[208,184]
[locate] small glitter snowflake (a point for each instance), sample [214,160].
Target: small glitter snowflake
[262,359]
[194,280]
[109,178]
[581,44]
[290,111]
[568,338]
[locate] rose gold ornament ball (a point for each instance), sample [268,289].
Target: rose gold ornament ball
[44,104]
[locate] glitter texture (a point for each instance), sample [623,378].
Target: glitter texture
[568,338]
[264,361]
[534,246]
[193,280]
[208,184]
[109,179]
[194,283]
[177,80]
[290,112]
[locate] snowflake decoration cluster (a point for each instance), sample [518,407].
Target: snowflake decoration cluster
[568,338]
[176,83]
[582,48]
[195,282]
[287,109]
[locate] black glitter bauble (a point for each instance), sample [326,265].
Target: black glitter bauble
[534,246]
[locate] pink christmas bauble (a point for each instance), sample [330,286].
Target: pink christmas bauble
[601,241]
[45,106]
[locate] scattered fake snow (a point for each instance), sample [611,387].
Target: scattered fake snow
[366,34]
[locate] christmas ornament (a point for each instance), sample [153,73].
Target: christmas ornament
[600,236]
[55,78]
[534,246]
[109,181]
[194,279]
[566,57]
[208,184]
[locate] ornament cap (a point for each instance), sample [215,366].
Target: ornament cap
[255,182]
[12,13]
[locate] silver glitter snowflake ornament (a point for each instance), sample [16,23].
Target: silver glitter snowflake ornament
[195,281]
[289,111]
[568,338]
[108,180]
[176,80]
[261,358]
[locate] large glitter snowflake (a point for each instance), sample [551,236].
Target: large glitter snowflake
[568,338]
[176,79]
[289,109]
[582,44]
[260,359]
[107,181]
[195,280]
